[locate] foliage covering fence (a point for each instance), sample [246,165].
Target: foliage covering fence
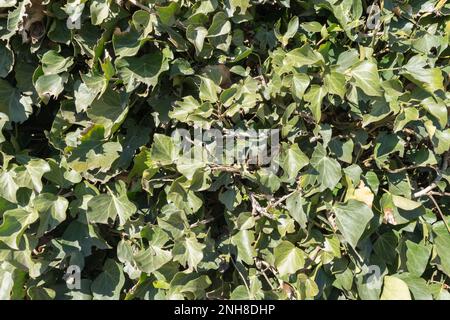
[100,198]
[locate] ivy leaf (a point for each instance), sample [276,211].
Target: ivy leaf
[152,259]
[351,219]
[429,79]
[50,85]
[54,63]
[15,17]
[8,186]
[93,152]
[163,150]
[99,11]
[304,56]
[167,14]
[145,69]
[108,285]
[442,242]
[109,110]
[103,207]
[6,60]
[243,240]
[52,211]
[36,168]
[315,97]
[329,169]
[12,103]
[291,31]
[395,289]
[208,90]
[292,161]
[294,205]
[417,257]
[365,75]
[335,82]
[196,35]
[288,258]
[189,252]
[14,224]
[220,25]
[437,108]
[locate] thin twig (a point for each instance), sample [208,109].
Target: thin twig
[437,193]
[225,168]
[439,211]
[257,210]
[202,222]
[280,200]
[263,266]
[140,5]
[406,168]
[311,258]
[433,185]
[241,275]
[259,265]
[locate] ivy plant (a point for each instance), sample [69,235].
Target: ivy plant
[98,200]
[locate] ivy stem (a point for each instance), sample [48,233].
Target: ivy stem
[390,69]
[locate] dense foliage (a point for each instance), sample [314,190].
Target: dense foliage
[91,180]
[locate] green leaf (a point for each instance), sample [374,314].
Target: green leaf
[351,220]
[108,285]
[294,204]
[36,168]
[335,83]
[417,256]
[15,18]
[93,152]
[196,35]
[189,252]
[220,25]
[243,240]
[99,11]
[288,258]
[41,293]
[126,44]
[109,110]
[365,75]
[304,56]
[429,79]
[152,259]
[103,207]
[14,224]
[315,97]
[52,211]
[437,108]
[300,83]
[208,90]
[329,169]
[51,85]
[54,63]
[145,69]
[395,289]
[292,161]
[167,14]
[142,22]
[291,31]
[418,286]
[441,245]
[6,60]
[386,247]
[8,186]
[163,150]
[15,105]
